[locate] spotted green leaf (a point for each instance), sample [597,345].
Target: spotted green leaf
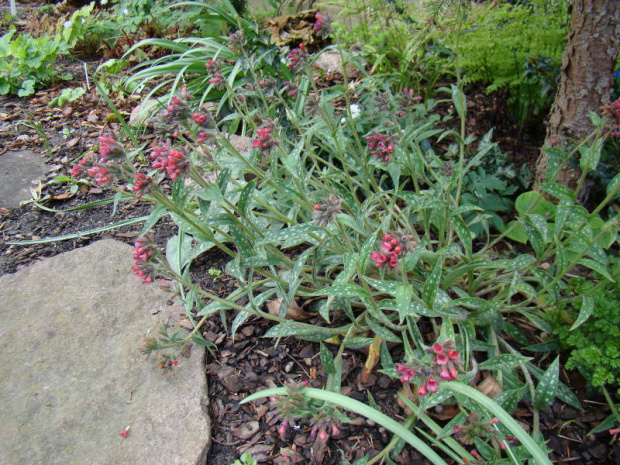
[547,386]
[404,292]
[587,306]
[327,360]
[614,186]
[559,191]
[504,362]
[431,286]
[295,235]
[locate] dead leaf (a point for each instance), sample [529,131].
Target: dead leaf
[294,311]
[64,196]
[408,393]
[246,430]
[374,351]
[445,412]
[259,452]
[489,387]
[92,117]
[73,142]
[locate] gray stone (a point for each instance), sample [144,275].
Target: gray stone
[17,172]
[73,378]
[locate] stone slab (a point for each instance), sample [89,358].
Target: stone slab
[73,378]
[17,172]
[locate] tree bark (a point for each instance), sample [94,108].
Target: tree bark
[586,79]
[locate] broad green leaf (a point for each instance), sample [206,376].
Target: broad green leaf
[517,232]
[590,156]
[535,238]
[404,292]
[431,286]
[613,188]
[463,233]
[596,266]
[559,191]
[241,240]
[563,392]
[547,386]
[608,423]
[343,290]
[587,306]
[560,258]
[383,286]
[459,101]
[246,195]
[509,399]
[533,202]
[382,332]
[327,360]
[290,329]
[504,362]
[349,268]
[295,235]
[519,262]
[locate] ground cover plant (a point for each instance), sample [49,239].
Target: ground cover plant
[360,217]
[365,217]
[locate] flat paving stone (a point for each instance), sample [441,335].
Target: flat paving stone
[17,172]
[73,378]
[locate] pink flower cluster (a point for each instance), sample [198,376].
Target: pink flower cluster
[265,143]
[101,170]
[142,184]
[407,99]
[216,80]
[142,254]
[443,366]
[612,111]
[297,58]
[322,25]
[391,251]
[291,89]
[381,146]
[170,161]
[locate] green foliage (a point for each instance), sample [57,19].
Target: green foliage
[27,63]
[245,459]
[67,95]
[515,48]
[363,210]
[593,346]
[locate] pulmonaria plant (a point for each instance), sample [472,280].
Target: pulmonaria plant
[326,212]
[442,363]
[393,247]
[407,99]
[170,161]
[325,420]
[104,169]
[143,255]
[322,25]
[217,79]
[298,58]
[474,428]
[612,112]
[265,143]
[381,146]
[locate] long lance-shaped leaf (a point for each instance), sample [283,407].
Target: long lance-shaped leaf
[81,234]
[361,409]
[540,456]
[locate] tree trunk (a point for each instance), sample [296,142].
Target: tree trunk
[586,79]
